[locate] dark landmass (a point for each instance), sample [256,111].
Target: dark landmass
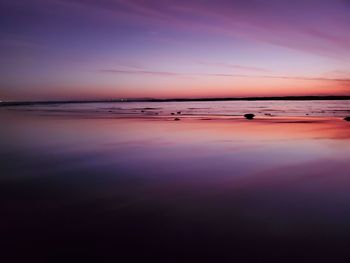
[249,116]
[290,98]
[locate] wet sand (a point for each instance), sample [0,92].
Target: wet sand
[207,188]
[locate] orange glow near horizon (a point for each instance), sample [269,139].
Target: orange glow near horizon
[193,88]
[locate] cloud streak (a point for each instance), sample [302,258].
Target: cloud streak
[176,74]
[141,72]
[233,66]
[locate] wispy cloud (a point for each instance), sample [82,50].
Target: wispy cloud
[175,74]
[234,66]
[141,72]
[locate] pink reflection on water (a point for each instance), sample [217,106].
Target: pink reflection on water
[251,183]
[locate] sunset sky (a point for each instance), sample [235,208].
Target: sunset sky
[105,49]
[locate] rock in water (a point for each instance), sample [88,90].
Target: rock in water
[176,119]
[249,116]
[179,112]
[347,118]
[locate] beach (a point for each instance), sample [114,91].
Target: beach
[106,181]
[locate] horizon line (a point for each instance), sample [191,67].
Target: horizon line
[255,98]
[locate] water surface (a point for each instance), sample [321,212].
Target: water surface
[325,108]
[81,182]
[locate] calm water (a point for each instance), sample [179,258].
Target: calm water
[334,108]
[79,182]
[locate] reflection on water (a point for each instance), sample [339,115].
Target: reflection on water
[190,191]
[324,108]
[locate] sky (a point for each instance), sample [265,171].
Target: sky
[108,49]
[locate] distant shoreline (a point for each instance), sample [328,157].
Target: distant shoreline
[286,98]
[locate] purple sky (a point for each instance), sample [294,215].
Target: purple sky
[63,49]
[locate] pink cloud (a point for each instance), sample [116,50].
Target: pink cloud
[171,74]
[234,66]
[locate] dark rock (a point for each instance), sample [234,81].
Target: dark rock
[249,116]
[142,111]
[179,112]
[172,113]
[347,118]
[176,119]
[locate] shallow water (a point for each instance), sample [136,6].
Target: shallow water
[325,108]
[203,189]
